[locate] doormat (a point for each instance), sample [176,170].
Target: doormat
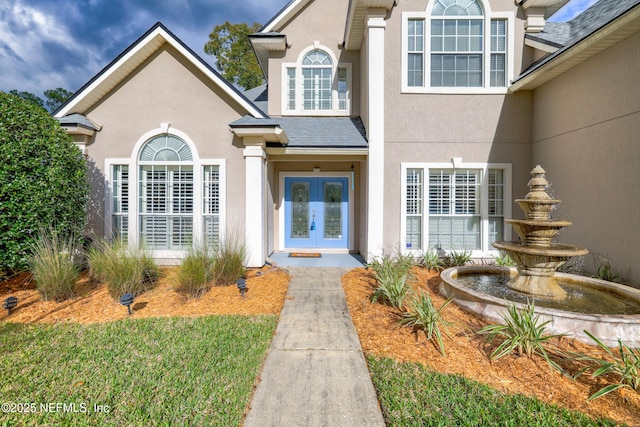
[304,255]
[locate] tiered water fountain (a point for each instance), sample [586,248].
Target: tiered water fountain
[572,303]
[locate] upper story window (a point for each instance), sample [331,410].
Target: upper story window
[456,46]
[316,85]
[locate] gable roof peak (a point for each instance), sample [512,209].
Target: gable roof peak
[132,57]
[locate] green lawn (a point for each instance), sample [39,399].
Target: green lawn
[169,371]
[411,395]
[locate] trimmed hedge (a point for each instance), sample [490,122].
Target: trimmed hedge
[43,180]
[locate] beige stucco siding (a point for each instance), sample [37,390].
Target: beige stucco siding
[322,22]
[168,89]
[434,128]
[586,124]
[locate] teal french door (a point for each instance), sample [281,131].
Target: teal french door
[316,212]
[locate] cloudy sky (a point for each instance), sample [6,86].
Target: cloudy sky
[45,44]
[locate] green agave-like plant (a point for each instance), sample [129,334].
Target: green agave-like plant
[523,333]
[459,258]
[424,315]
[625,365]
[503,260]
[393,274]
[432,261]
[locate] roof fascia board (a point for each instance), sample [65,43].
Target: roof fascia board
[159,32]
[528,81]
[317,151]
[284,15]
[539,45]
[361,8]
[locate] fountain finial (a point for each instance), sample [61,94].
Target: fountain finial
[538,185]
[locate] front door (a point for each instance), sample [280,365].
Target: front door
[316,212]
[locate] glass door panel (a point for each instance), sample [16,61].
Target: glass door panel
[300,193]
[332,210]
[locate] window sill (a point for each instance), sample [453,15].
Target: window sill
[456,90]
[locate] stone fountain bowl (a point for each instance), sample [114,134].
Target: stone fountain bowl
[606,327]
[539,233]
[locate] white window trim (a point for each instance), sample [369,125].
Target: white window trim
[299,111]
[486,250]
[134,212]
[487,89]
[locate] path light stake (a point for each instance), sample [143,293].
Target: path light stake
[127,299]
[242,286]
[10,303]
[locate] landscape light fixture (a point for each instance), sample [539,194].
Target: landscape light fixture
[242,286]
[127,299]
[10,303]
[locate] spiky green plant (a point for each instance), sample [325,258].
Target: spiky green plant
[432,261]
[522,333]
[625,365]
[458,258]
[196,272]
[606,272]
[503,260]
[55,265]
[423,315]
[125,269]
[393,274]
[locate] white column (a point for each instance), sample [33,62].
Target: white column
[255,205]
[375,167]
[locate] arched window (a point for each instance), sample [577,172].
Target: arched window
[166,193]
[317,68]
[316,84]
[459,45]
[456,43]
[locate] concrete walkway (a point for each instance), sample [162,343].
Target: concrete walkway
[315,373]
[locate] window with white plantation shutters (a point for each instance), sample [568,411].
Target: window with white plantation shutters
[414,209]
[120,202]
[166,194]
[211,205]
[495,202]
[454,209]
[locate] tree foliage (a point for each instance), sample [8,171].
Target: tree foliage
[56,97]
[235,58]
[43,180]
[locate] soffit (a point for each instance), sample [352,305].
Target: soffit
[357,20]
[570,56]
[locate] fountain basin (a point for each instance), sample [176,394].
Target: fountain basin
[620,320]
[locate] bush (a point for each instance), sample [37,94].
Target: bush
[458,259]
[432,261]
[196,272]
[230,258]
[124,269]
[55,265]
[424,315]
[522,333]
[43,180]
[392,274]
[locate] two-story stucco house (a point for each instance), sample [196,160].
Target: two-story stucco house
[384,124]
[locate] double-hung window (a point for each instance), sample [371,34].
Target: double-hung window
[316,85]
[461,208]
[456,46]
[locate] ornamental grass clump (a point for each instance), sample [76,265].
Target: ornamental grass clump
[423,315]
[522,333]
[625,365]
[393,274]
[230,258]
[55,265]
[196,272]
[458,258]
[126,270]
